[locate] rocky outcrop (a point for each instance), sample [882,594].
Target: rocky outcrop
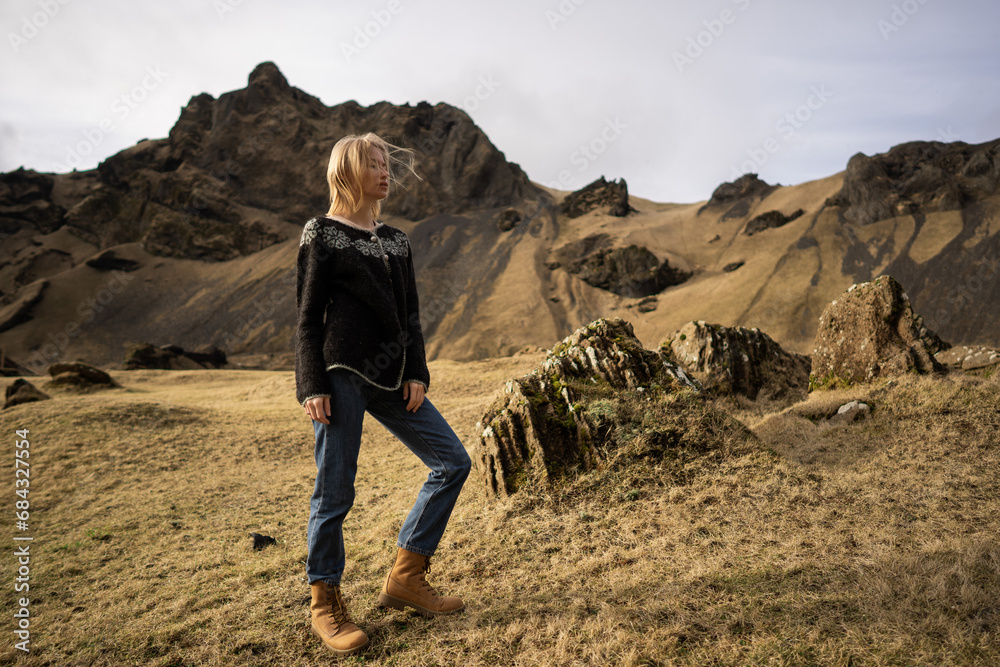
[770,220]
[613,194]
[538,432]
[919,176]
[737,195]
[872,332]
[171,357]
[26,200]
[632,270]
[79,375]
[21,391]
[737,360]
[234,169]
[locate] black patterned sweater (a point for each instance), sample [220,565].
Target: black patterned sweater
[356,297]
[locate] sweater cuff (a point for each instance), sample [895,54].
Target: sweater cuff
[313,396]
[421,382]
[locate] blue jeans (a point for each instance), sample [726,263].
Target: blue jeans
[424,432]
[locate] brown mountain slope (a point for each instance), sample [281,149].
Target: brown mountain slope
[206,221]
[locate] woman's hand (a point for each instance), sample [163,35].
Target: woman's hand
[318,409]
[413,394]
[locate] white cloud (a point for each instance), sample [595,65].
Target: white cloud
[560,82]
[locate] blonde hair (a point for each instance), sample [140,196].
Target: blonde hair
[349,158]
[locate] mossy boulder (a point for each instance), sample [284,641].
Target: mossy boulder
[544,427]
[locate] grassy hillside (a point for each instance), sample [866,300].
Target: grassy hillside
[873,543]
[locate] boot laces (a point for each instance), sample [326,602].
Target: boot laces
[425,570]
[338,610]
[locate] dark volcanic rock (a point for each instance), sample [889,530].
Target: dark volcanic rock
[613,194]
[22,391]
[737,193]
[871,332]
[171,357]
[235,169]
[770,220]
[631,270]
[80,375]
[26,200]
[537,431]
[508,219]
[107,261]
[923,176]
[737,360]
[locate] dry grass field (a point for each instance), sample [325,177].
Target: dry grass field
[872,543]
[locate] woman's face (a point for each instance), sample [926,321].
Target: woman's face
[375,179]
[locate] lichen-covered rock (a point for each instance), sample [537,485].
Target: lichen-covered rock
[537,432]
[21,391]
[737,360]
[871,332]
[80,375]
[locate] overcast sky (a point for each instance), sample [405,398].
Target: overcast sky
[675,97]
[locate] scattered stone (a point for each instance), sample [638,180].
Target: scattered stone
[851,412]
[732,266]
[80,375]
[261,541]
[968,358]
[509,219]
[537,432]
[647,305]
[107,261]
[172,357]
[871,332]
[21,391]
[737,360]
[632,271]
[770,220]
[613,194]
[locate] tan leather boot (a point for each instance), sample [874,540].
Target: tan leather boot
[406,586]
[331,623]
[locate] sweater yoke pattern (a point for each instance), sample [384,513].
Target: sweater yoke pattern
[338,239]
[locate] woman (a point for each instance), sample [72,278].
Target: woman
[359,347]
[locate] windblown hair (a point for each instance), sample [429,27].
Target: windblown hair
[349,159]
